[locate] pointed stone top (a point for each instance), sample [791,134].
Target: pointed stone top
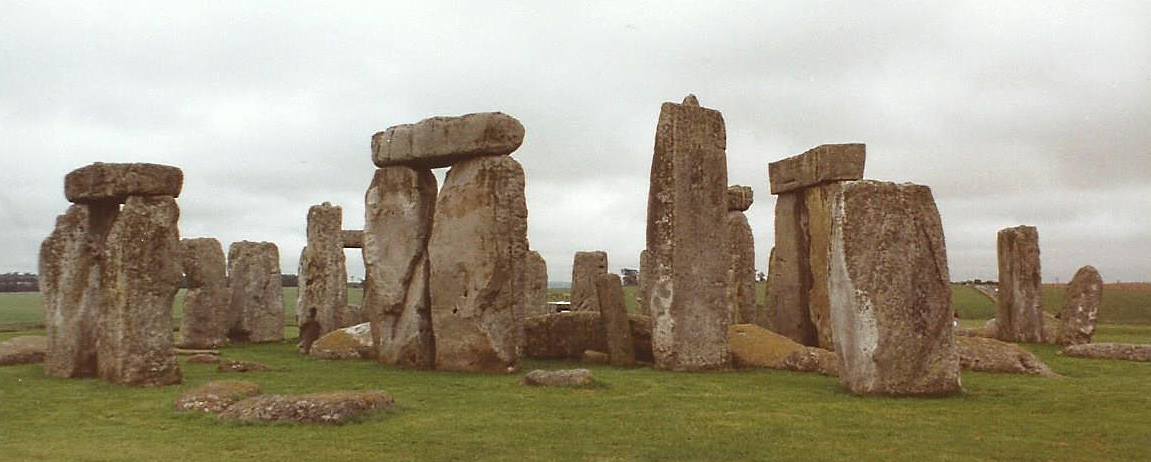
[690,100]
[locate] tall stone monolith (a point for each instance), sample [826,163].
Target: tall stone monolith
[476,250]
[324,270]
[1020,313]
[613,315]
[70,284]
[741,302]
[687,207]
[536,285]
[586,268]
[255,292]
[1080,307]
[204,324]
[400,206]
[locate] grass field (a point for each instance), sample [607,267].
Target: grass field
[1100,410]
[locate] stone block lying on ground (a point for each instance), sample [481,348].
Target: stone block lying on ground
[334,408]
[1120,351]
[989,355]
[214,397]
[353,342]
[230,365]
[755,347]
[561,378]
[26,349]
[442,141]
[115,182]
[568,335]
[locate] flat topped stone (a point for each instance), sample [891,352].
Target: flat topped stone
[739,198]
[822,164]
[442,141]
[115,182]
[352,238]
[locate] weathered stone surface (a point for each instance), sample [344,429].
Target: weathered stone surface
[595,357]
[890,292]
[102,182]
[1121,351]
[255,293]
[817,217]
[354,342]
[140,275]
[203,359]
[645,280]
[821,164]
[214,397]
[1080,307]
[1020,316]
[687,199]
[741,270]
[231,365]
[400,206]
[477,251]
[324,270]
[739,198]
[568,335]
[990,355]
[25,349]
[333,408]
[586,269]
[206,302]
[535,285]
[561,378]
[70,284]
[755,347]
[352,238]
[789,272]
[443,141]
[613,315]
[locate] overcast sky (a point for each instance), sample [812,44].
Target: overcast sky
[1013,112]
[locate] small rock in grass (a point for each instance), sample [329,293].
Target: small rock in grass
[319,408]
[561,378]
[229,365]
[214,397]
[1121,351]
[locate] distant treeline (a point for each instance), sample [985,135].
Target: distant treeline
[19,282]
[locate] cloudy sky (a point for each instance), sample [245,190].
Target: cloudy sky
[1013,112]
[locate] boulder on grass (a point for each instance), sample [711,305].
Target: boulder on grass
[214,397]
[561,378]
[990,355]
[752,346]
[229,365]
[27,349]
[1121,351]
[333,408]
[353,342]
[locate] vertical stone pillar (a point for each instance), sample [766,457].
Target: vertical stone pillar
[536,288]
[646,275]
[477,250]
[741,302]
[325,273]
[613,316]
[255,292]
[1020,317]
[140,283]
[1081,307]
[889,290]
[687,205]
[586,268]
[70,283]
[400,206]
[206,302]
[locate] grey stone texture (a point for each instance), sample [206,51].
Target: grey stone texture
[613,314]
[821,164]
[587,267]
[1020,315]
[204,323]
[444,141]
[1080,307]
[789,272]
[352,238]
[100,182]
[70,284]
[739,198]
[324,270]
[741,303]
[535,285]
[256,302]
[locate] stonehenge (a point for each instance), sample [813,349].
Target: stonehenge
[613,314]
[535,285]
[687,198]
[323,273]
[1080,307]
[109,273]
[741,304]
[1019,312]
[256,300]
[445,141]
[206,302]
[587,267]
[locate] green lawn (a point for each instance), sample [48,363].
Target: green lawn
[1099,411]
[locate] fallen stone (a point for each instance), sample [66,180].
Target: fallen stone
[256,296]
[477,249]
[353,342]
[755,347]
[1080,307]
[741,305]
[613,314]
[203,359]
[821,164]
[1120,351]
[25,349]
[204,324]
[352,239]
[989,355]
[687,207]
[596,357]
[889,291]
[535,285]
[140,275]
[102,182]
[568,335]
[333,408]
[215,397]
[325,273]
[444,141]
[586,269]
[231,365]
[193,352]
[1020,315]
[739,198]
[70,284]
[561,378]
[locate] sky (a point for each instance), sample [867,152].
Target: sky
[1019,112]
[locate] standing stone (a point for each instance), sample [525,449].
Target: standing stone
[818,215]
[741,250]
[536,285]
[70,283]
[645,280]
[477,249]
[206,301]
[324,270]
[890,293]
[400,205]
[789,273]
[255,292]
[687,199]
[141,275]
[1020,315]
[586,269]
[1081,307]
[443,141]
[613,313]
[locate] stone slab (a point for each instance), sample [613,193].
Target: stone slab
[443,141]
[821,164]
[115,182]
